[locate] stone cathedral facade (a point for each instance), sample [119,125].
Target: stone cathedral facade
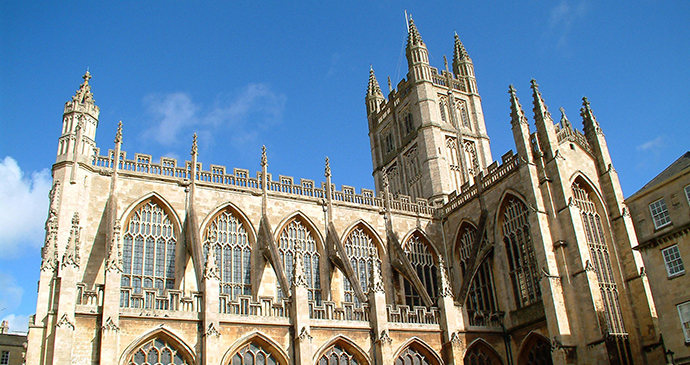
[454,259]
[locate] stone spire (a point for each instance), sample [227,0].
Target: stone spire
[541,111]
[84,94]
[546,131]
[463,68]
[413,36]
[459,52]
[588,119]
[517,115]
[118,134]
[374,97]
[195,147]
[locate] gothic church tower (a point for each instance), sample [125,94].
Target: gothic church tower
[429,137]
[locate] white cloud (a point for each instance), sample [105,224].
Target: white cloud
[562,17]
[177,116]
[17,323]
[652,145]
[23,207]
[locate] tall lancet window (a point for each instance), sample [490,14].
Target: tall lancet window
[599,254]
[295,235]
[227,236]
[148,255]
[521,259]
[419,254]
[481,298]
[362,254]
[454,162]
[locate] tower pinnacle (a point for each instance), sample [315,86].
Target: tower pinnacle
[84,94]
[373,89]
[413,36]
[459,51]
[517,115]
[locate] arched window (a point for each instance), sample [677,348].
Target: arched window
[521,259]
[481,353]
[599,254]
[362,254]
[481,297]
[336,355]
[227,236]
[415,356]
[253,354]
[417,251]
[454,162]
[160,352]
[294,235]
[148,254]
[535,351]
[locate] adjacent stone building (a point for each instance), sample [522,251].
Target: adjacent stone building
[12,346]
[661,212]
[454,259]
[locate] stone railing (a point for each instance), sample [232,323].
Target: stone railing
[239,179]
[348,311]
[485,319]
[495,173]
[152,299]
[573,135]
[90,297]
[244,306]
[419,315]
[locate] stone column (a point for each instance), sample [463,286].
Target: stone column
[378,317]
[300,313]
[452,321]
[211,339]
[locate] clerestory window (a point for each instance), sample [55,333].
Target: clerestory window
[228,237]
[362,254]
[293,237]
[417,251]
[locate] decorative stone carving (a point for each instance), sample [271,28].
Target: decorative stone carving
[49,251]
[545,274]
[212,331]
[264,158]
[328,168]
[376,283]
[385,337]
[210,267]
[118,134]
[84,94]
[65,322]
[195,148]
[304,334]
[298,278]
[71,256]
[589,266]
[114,262]
[446,290]
[110,325]
[455,339]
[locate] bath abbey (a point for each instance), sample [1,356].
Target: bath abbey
[455,258]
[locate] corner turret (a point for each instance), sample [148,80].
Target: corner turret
[79,123]
[374,96]
[463,68]
[546,132]
[417,55]
[520,127]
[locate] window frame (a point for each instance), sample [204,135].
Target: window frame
[656,217]
[667,263]
[686,331]
[5,358]
[687,193]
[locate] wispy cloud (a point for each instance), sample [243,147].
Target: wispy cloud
[23,206]
[177,116]
[652,145]
[561,19]
[9,301]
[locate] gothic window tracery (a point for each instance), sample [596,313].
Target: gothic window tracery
[253,354]
[480,353]
[394,179]
[414,181]
[227,236]
[454,162]
[159,352]
[294,235]
[471,155]
[148,253]
[599,254]
[481,297]
[412,356]
[519,248]
[362,253]
[422,260]
[536,351]
[337,355]
[442,105]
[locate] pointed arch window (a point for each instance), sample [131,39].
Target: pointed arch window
[148,255]
[422,260]
[228,237]
[481,353]
[160,352]
[253,354]
[294,235]
[454,162]
[412,356]
[337,355]
[481,297]
[362,254]
[522,261]
[536,351]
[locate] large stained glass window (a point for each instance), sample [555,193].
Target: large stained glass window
[160,352]
[295,235]
[521,259]
[228,237]
[336,355]
[418,252]
[362,254]
[253,354]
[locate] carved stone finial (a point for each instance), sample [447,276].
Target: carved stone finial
[65,322]
[195,148]
[385,337]
[304,334]
[446,290]
[565,123]
[210,267]
[328,167]
[114,261]
[588,118]
[84,94]
[455,339]
[212,331]
[118,134]
[264,158]
[445,62]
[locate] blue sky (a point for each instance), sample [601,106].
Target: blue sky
[244,74]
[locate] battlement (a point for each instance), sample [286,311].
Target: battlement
[240,179]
